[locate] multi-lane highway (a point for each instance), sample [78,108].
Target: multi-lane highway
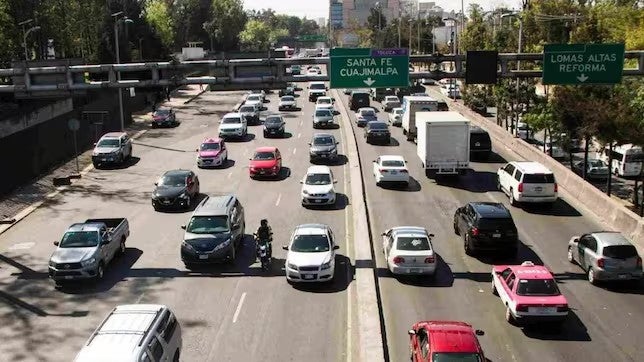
[227,313]
[605,323]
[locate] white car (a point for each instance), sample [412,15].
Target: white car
[395,117]
[233,125]
[255,100]
[312,71]
[324,103]
[258,92]
[390,102]
[523,131]
[557,151]
[451,91]
[408,250]
[390,168]
[317,186]
[287,102]
[310,254]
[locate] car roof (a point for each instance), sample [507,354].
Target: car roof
[529,270]
[212,140]
[266,149]
[318,169]
[611,238]
[310,229]
[324,97]
[410,231]
[397,109]
[366,108]
[214,205]
[232,114]
[275,116]
[451,336]
[113,135]
[392,158]
[378,122]
[391,96]
[317,82]
[491,210]
[93,226]
[477,129]
[287,96]
[531,167]
[319,135]
[164,108]
[176,172]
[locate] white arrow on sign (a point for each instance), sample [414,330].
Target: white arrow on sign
[582,78]
[369,81]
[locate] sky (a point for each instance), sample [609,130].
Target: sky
[314,9]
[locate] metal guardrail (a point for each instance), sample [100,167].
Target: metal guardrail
[269,72]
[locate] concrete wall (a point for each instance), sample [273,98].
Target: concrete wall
[21,122]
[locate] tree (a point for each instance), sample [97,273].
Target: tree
[7,45]
[255,35]
[229,20]
[477,34]
[542,118]
[158,16]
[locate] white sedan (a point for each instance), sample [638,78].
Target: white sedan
[395,117]
[408,250]
[310,254]
[317,186]
[324,103]
[390,168]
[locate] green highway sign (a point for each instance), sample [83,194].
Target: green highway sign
[583,63]
[312,37]
[365,67]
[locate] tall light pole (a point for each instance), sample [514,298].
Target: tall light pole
[411,22]
[25,34]
[399,45]
[518,16]
[117,20]
[379,8]
[454,50]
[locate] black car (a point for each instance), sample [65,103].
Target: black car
[486,226]
[480,143]
[288,91]
[323,146]
[164,117]
[358,100]
[442,106]
[274,125]
[377,131]
[176,188]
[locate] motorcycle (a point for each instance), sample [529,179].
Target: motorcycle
[264,257]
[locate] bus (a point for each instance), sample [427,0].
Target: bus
[627,159]
[284,52]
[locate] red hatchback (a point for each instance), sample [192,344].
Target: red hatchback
[445,341]
[267,161]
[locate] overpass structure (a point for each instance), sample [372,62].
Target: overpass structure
[236,74]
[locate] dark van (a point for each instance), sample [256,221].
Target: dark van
[358,100]
[480,143]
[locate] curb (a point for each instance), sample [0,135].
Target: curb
[368,313]
[196,96]
[33,207]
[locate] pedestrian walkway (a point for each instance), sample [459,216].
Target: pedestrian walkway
[37,190]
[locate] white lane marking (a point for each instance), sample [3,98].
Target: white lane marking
[301,122]
[299,135]
[138,300]
[230,174]
[241,302]
[22,246]
[279,197]
[295,149]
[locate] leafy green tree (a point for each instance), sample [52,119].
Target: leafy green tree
[542,118]
[477,34]
[7,34]
[158,16]
[229,20]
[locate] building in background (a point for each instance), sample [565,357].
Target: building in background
[423,9]
[359,10]
[321,22]
[335,14]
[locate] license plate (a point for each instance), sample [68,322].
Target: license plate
[542,310]
[496,235]
[308,276]
[203,257]
[538,189]
[323,156]
[318,201]
[166,202]
[69,277]
[622,276]
[262,172]
[477,144]
[394,172]
[412,271]
[103,159]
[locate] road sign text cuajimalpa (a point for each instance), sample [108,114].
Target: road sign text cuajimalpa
[364,67]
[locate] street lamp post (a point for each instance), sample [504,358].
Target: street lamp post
[454,51]
[411,22]
[117,21]
[25,34]
[518,16]
[379,8]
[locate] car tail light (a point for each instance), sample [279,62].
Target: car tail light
[429,260]
[562,308]
[403,171]
[475,231]
[639,262]
[398,260]
[600,263]
[382,170]
[556,187]
[520,189]
[522,308]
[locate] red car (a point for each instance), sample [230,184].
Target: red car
[445,341]
[267,161]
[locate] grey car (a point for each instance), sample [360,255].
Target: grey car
[605,255]
[323,118]
[323,146]
[251,112]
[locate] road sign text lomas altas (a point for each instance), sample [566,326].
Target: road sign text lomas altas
[580,63]
[363,67]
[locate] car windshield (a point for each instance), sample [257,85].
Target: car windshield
[537,287]
[620,251]
[173,180]
[368,113]
[455,357]
[317,86]
[162,112]
[264,156]
[209,146]
[79,239]
[318,179]
[596,163]
[377,125]
[392,163]
[231,120]
[310,244]
[247,109]
[391,99]
[398,111]
[254,97]
[538,178]
[496,224]
[323,113]
[108,142]
[207,224]
[324,101]
[323,141]
[288,99]
[412,243]
[637,157]
[273,120]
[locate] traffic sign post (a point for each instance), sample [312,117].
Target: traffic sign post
[583,63]
[365,67]
[74,126]
[311,37]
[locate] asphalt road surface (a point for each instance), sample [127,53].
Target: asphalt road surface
[227,313]
[604,324]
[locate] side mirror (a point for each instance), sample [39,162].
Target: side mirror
[431,235]
[336,247]
[479,332]
[309,143]
[250,159]
[383,234]
[335,181]
[301,181]
[56,242]
[576,240]
[156,184]
[285,247]
[411,332]
[94,143]
[183,227]
[196,150]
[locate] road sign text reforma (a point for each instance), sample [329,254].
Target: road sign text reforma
[583,63]
[364,67]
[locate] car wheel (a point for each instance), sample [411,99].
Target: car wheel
[498,184]
[177,356]
[189,203]
[571,258]
[508,315]
[121,159]
[467,246]
[591,276]
[513,201]
[494,291]
[456,231]
[100,271]
[232,255]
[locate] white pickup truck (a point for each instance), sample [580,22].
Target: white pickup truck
[87,248]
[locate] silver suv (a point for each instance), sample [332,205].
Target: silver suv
[113,147]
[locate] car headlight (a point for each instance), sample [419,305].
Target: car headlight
[291,266]
[187,246]
[52,263]
[222,245]
[183,195]
[88,262]
[326,266]
[305,192]
[335,150]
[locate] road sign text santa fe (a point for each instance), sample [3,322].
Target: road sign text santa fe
[365,67]
[583,63]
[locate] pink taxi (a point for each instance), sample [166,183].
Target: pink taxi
[529,293]
[212,153]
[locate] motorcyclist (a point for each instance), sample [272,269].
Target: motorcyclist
[264,235]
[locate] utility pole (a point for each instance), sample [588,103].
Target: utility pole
[117,21]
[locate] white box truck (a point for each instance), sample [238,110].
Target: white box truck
[411,105]
[443,143]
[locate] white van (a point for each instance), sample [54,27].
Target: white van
[134,333]
[626,161]
[529,182]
